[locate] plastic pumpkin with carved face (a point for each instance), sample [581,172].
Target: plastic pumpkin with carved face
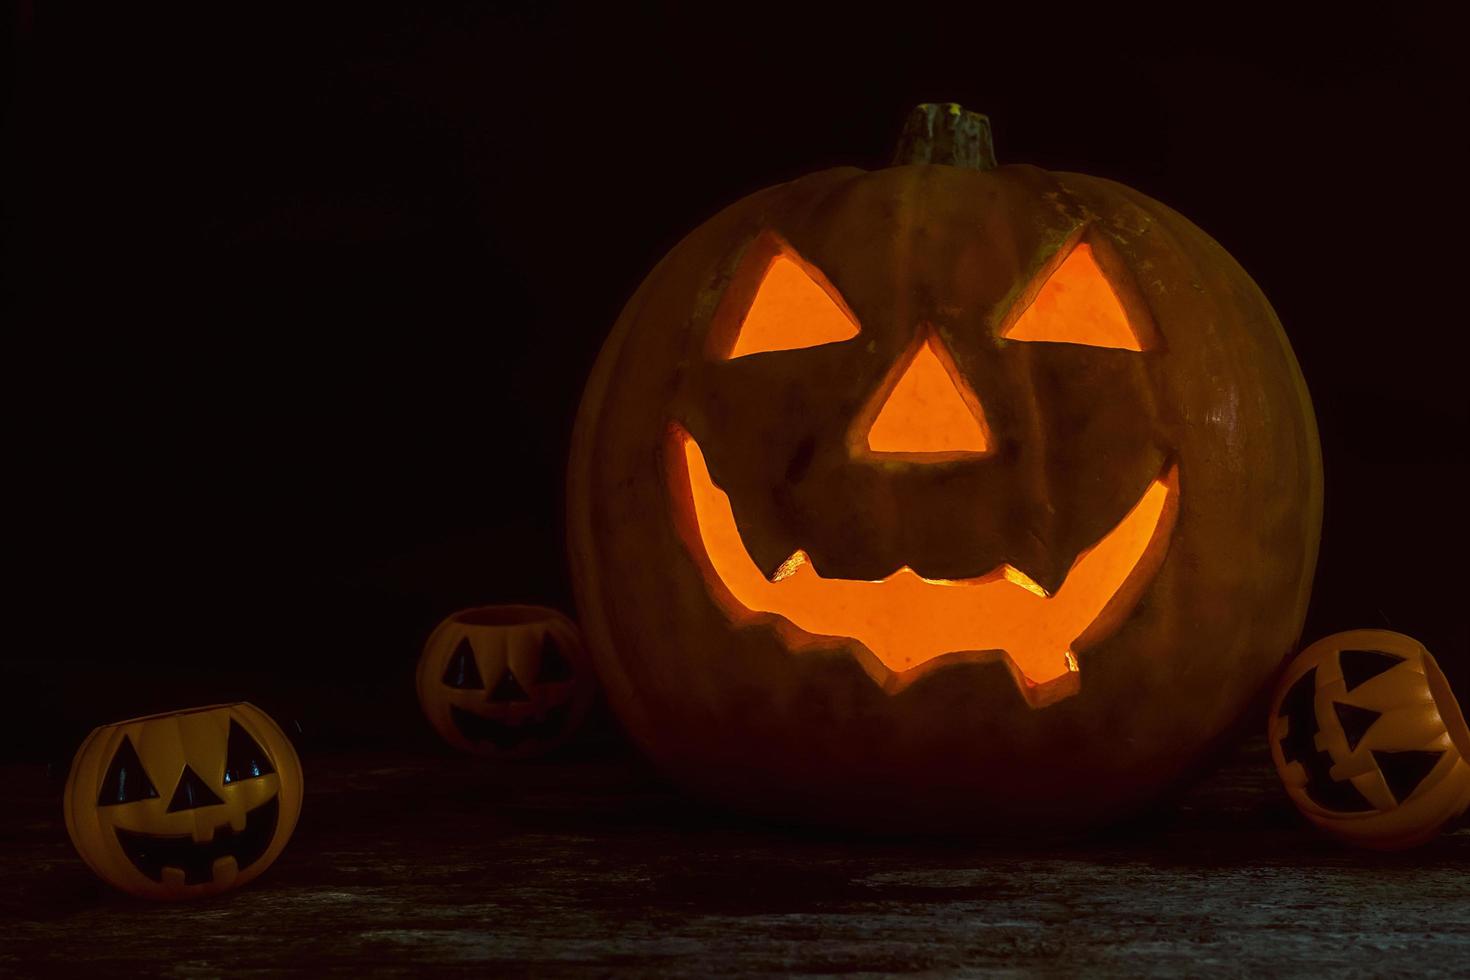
[1369,740]
[509,682]
[944,495]
[184,804]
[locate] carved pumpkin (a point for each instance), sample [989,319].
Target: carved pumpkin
[1369,740]
[505,681]
[184,804]
[943,495]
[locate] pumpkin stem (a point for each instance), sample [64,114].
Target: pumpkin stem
[942,132]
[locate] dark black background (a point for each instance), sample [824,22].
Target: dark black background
[307,296]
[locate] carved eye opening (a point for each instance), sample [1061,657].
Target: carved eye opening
[461,672]
[778,301]
[1078,301]
[554,667]
[244,758]
[126,780]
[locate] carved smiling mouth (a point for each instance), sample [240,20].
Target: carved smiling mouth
[908,624]
[152,853]
[502,735]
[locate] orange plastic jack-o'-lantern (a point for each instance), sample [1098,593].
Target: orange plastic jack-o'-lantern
[942,495]
[184,804]
[1369,740]
[505,681]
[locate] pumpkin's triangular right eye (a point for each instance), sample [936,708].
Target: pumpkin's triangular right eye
[791,309]
[126,781]
[1077,305]
[462,671]
[554,667]
[1364,665]
[244,758]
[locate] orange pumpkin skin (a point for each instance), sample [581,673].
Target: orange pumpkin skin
[734,709]
[1369,741]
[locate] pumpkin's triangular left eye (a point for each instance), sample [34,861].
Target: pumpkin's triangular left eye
[791,309]
[461,671]
[126,781]
[1404,771]
[1077,305]
[244,758]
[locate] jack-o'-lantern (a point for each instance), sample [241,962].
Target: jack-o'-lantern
[505,681]
[1369,740]
[944,495]
[184,804]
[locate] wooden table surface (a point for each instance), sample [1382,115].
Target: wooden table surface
[409,864]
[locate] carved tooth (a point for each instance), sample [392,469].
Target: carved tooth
[1017,577]
[788,567]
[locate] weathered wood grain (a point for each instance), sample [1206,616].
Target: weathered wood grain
[406,864]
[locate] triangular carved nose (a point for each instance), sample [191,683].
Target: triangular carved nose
[929,411]
[509,689]
[192,792]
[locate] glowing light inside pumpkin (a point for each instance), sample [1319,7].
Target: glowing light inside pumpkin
[907,620]
[1076,305]
[929,410]
[791,310]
